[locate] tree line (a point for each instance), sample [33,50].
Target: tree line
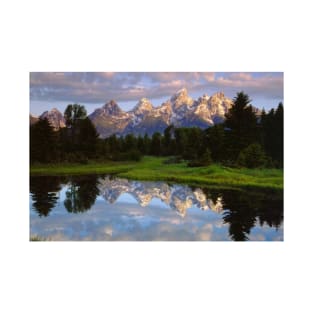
[244,139]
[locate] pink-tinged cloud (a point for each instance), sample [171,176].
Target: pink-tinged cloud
[210,77]
[240,76]
[98,88]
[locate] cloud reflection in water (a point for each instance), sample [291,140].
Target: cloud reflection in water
[119,209]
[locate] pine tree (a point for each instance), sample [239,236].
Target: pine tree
[87,136]
[241,123]
[146,144]
[156,144]
[43,142]
[168,142]
[73,113]
[279,135]
[214,139]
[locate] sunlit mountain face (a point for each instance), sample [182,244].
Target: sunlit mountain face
[107,208]
[179,110]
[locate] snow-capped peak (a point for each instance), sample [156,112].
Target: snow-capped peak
[180,109]
[219,95]
[144,105]
[112,108]
[181,93]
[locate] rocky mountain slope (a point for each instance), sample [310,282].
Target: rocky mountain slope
[180,110]
[33,119]
[110,119]
[55,118]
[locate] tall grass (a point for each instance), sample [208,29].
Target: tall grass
[153,168]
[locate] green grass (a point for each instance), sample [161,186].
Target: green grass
[78,169]
[153,168]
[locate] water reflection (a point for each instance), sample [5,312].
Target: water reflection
[242,211]
[178,197]
[44,192]
[81,194]
[203,213]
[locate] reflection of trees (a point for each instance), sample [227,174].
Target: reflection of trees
[243,208]
[239,215]
[81,194]
[271,211]
[44,193]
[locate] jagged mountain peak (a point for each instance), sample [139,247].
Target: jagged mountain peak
[111,108]
[181,99]
[144,105]
[204,98]
[110,119]
[179,110]
[219,95]
[181,93]
[55,118]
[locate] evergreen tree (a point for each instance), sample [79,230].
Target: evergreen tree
[168,142]
[156,144]
[43,142]
[86,137]
[273,134]
[80,137]
[241,122]
[130,143]
[146,144]
[214,139]
[279,135]
[113,146]
[140,145]
[73,113]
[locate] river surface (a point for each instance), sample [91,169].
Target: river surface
[103,208]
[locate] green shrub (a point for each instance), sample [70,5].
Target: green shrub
[173,160]
[253,156]
[204,160]
[131,155]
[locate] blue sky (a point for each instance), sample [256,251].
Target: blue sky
[93,89]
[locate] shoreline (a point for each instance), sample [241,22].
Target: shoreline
[153,169]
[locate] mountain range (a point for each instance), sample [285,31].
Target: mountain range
[180,110]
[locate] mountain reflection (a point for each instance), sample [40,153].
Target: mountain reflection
[238,210]
[178,197]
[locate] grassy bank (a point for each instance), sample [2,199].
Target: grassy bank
[153,168]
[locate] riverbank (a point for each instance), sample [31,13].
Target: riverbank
[153,168]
